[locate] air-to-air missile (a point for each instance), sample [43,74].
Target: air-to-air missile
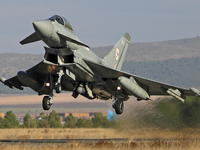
[176,94]
[195,91]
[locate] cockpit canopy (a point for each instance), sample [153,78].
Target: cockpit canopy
[62,21]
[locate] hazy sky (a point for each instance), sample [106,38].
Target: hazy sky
[100,23]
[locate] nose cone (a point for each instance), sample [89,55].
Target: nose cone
[43,28]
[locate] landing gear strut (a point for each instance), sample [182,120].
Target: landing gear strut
[48,100]
[118,105]
[58,86]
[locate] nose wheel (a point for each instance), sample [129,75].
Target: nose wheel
[47,102]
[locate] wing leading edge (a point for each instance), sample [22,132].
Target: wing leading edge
[152,87]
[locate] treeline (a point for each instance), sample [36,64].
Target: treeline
[53,121]
[164,113]
[175,114]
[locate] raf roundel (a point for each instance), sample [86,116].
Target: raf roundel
[86,48]
[117,54]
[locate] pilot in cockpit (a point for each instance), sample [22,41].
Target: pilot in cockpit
[62,21]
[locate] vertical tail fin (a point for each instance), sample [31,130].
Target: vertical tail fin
[116,55]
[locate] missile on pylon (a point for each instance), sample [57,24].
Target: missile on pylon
[176,94]
[195,91]
[130,85]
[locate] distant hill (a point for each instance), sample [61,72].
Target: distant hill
[152,51]
[184,72]
[175,62]
[11,63]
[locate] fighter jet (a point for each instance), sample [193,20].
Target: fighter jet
[70,65]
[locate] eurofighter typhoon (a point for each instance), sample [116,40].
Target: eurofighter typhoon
[70,65]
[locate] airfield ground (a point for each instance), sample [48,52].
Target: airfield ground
[159,140]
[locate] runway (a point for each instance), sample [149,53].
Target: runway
[62,140]
[114,140]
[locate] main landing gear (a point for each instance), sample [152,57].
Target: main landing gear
[118,105]
[58,87]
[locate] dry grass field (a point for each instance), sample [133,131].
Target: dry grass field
[184,139]
[93,133]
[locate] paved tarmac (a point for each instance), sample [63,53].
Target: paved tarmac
[60,140]
[116,140]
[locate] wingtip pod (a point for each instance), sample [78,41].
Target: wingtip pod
[2,79]
[127,36]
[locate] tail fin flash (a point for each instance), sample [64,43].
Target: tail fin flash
[116,55]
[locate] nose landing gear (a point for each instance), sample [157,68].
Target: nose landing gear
[47,102]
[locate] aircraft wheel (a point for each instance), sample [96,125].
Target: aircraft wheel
[119,107]
[46,103]
[58,88]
